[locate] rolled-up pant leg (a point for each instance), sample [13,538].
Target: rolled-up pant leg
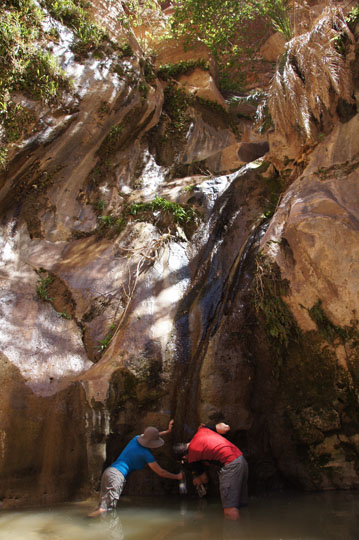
[112,484]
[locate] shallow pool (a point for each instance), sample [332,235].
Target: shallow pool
[333,515]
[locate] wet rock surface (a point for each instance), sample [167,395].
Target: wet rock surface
[132,290]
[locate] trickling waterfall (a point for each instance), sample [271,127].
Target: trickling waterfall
[224,269]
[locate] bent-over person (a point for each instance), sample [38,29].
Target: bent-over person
[208,446]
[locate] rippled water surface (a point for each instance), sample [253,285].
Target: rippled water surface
[281,517]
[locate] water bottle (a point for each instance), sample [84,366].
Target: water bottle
[201,490]
[182,484]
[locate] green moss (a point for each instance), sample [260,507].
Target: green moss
[137,388]
[338,171]
[308,374]
[325,327]
[269,289]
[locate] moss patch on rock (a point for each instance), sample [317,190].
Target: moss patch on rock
[318,393]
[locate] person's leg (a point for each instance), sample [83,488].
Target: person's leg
[243,478]
[231,513]
[233,487]
[112,484]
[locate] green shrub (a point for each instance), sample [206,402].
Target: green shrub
[42,287]
[180,213]
[72,13]
[168,71]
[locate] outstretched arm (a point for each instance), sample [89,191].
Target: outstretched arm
[169,429]
[162,472]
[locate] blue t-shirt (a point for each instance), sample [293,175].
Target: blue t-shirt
[133,457]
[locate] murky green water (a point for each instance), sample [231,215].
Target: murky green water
[281,517]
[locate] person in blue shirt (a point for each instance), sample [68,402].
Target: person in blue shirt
[136,455]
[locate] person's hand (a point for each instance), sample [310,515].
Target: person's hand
[222,428]
[197,481]
[170,424]
[201,479]
[180,476]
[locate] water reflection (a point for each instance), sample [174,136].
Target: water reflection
[282,517]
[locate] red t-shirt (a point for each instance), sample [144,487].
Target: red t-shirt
[208,445]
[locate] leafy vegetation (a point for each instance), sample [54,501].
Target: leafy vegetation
[160,211]
[42,287]
[112,140]
[169,71]
[179,213]
[241,39]
[104,343]
[72,13]
[176,103]
[24,67]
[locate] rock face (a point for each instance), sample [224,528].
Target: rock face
[132,292]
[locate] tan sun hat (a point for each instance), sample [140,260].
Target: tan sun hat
[150,438]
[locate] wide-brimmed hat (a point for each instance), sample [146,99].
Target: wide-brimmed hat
[150,438]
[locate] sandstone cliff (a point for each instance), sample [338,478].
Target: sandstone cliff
[160,256]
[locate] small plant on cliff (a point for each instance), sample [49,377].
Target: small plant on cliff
[3,157]
[180,213]
[112,140]
[42,287]
[104,343]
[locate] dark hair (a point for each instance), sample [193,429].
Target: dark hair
[180,449]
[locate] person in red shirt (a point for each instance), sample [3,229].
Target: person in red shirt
[209,445]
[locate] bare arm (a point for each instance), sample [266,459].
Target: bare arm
[162,472]
[169,429]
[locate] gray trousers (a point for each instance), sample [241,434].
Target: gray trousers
[233,479]
[112,484]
